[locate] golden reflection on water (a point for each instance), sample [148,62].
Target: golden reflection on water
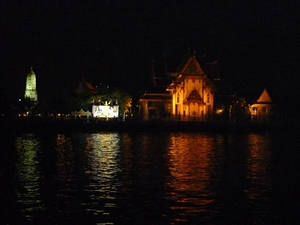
[126,154]
[189,160]
[27,165]
[258,166]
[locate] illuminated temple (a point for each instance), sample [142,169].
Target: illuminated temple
[189,95]
[30,90]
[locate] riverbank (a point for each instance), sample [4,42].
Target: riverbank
[33,125]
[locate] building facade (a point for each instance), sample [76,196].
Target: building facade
[30,90]
[155,106]
[192,93]
[262,109]
[189,95]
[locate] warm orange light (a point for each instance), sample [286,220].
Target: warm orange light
[258,166]
[190,158]
[219,111]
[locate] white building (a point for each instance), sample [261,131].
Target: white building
[261,110]
[30,90]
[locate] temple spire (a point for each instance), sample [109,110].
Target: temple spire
[30,89]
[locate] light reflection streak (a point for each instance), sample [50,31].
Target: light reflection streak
[126,154]
[259,167]
[189,159]
[27,165]
[102,168]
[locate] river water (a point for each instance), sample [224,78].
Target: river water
[150,178]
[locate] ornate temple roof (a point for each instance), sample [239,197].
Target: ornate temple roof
[192,67]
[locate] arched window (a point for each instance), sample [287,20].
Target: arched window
[207,98]
[177,98]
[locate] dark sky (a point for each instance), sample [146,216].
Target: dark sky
[255,42]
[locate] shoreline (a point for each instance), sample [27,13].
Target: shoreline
[34,125]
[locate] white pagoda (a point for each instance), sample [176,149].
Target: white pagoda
[30,91]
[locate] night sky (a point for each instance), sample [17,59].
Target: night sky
[256,43]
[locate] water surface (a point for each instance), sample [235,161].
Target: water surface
[150,178]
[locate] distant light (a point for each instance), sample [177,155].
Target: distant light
[20,99]
[219,111]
